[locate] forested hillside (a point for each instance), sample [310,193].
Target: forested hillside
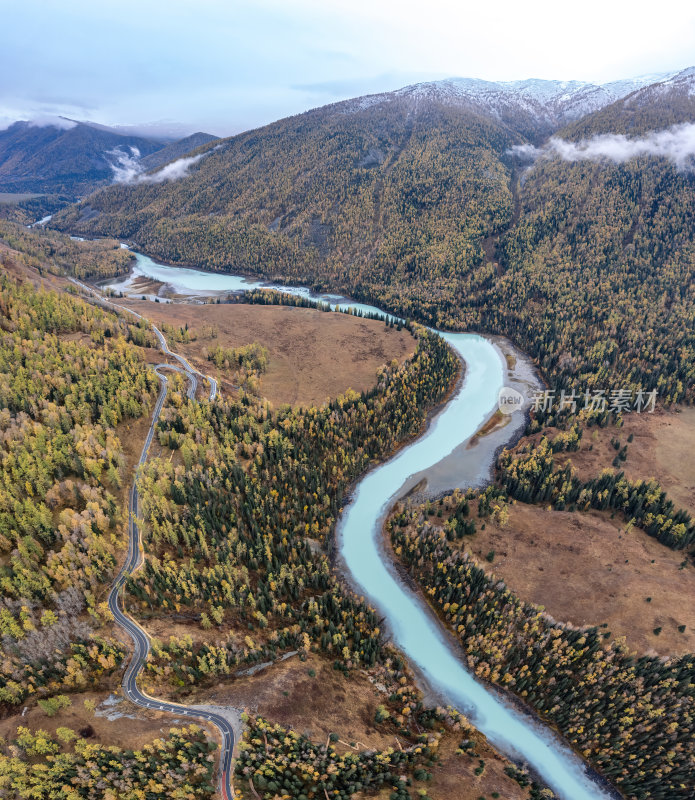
[395,192]
[61,160]
[230,524]
[417,204]
[69,376]
[70,158]
[239,505]
[598,281]
[175,150]
[51,252]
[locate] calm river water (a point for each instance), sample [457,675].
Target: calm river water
[414,628]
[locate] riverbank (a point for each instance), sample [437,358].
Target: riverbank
[422,639]
[470,465]
[177,282]
[435,697]
[411,625]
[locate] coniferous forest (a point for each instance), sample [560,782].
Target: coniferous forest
[70,377]
[238,520]
[229,524]
[427,209]
[422,208]
[629,715]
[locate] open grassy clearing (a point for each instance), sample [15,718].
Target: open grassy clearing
[313,355]
[587,569]
[591,568]
[662,447]
[114,721]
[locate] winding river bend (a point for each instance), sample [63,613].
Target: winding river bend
[414,628]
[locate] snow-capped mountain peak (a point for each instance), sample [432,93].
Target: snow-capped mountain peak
[678,83]
[532,105]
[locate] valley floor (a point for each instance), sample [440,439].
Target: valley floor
[313,355]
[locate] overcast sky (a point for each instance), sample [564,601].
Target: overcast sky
[225,66]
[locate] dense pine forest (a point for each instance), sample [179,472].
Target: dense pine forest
[239,513]
[231,520]
[276,760]
[48,251]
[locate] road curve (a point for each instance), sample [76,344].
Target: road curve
[134,559]
[193,374]
[141,643]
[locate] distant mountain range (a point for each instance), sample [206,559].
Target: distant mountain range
[558,213]
[378,183]
[532,107]
[73,158]
[175,150]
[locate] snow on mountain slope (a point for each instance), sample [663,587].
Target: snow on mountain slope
[626,86]
[530,106]
[682,83]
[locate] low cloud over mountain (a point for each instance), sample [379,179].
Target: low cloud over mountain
[676,144]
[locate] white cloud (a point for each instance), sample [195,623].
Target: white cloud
[9,117]
[172,172]
[126,166]
[62,123]
[677,144]
[128,169]
[526,152]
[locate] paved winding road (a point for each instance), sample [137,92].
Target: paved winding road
[193,374]
[134,559]
[141,643]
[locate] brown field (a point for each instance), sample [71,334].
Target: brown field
[313,355]
[584,568]
[131,729]
[327,702]
[663,447]
[454,776]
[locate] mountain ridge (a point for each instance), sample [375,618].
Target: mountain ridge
[176,150]
[533,107]
[73,158]
[415,204]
